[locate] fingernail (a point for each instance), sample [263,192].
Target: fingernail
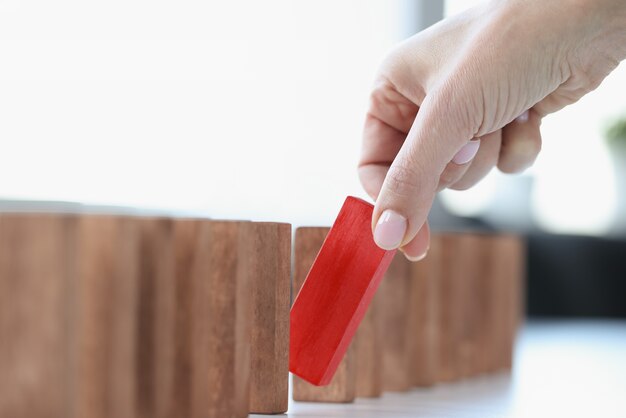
[467,153]
[418,258]
[390,230]
[522,118]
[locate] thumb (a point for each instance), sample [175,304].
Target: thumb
[441,131]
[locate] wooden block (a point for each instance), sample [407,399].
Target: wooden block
[334,297]
[368,346]
[488,314]
[342,387]
[220,324]
[267,260]
[395,293]
[423,309]
[34,292]
[512,265]
[104,318]
[471,294]
[449,307]
[155,329]
[185,236]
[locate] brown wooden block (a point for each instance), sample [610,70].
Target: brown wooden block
[155,329]
[34,291]
[450,307]
[472,294]
[513,253]
[185,237]
[342,388]
[492,306]
[507,268]
[104,318]
[267,260]
[220,324]
[395,293]
[369,354]
[424,326]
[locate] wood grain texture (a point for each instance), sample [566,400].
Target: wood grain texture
[449,304]
[333,299]
[395,294]
[34,292]
[267,260]
[105,289]
[155,328]
[368,346]
[185,237]
[423,310]
[471,295]
[487,301]
[220,324]
[512,249]
[308,241]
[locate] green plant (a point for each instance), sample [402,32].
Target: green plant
[616,133]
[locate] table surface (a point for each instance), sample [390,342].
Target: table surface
[562,369]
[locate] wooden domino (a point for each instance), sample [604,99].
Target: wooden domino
[342,386]
[185,240]
[34,328]
[104,348]
[155,307]
[510,268]
[469,296]
[336,293]
[267,260]
[131,316]
[449,308]
[368,346]
[395,293]
[423,328]
[220,323]
[486,299]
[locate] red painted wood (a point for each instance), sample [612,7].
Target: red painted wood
[336,294]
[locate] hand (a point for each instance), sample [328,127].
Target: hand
[468,93]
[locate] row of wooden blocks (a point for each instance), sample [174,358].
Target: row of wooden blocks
[121,316]
[451,316]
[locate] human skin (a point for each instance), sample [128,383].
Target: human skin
[469,93]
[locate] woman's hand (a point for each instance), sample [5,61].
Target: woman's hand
[468,94]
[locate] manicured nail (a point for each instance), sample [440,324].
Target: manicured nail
[418,258]
[467,153]
[522,118]
[390,230]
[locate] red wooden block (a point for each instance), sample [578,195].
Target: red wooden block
[336,294]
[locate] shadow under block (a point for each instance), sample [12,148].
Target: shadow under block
[308,241]
[368,344]
[423,309]
[336,293]
[219,323]
[394,294]
[267,259]
[34,289]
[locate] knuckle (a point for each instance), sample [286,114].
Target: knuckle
[402,180]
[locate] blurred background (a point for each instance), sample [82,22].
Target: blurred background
[253,110]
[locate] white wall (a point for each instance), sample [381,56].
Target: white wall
[241,109]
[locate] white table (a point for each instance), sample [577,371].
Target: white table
[562,369]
